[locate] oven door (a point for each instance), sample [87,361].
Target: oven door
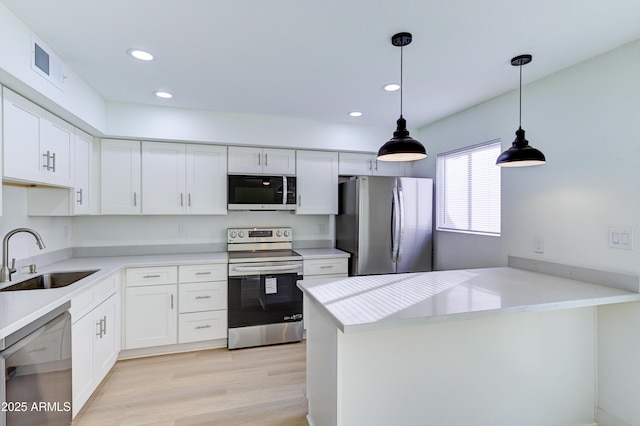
[265,294]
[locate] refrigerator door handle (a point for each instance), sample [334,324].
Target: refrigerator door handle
[395,232]
[401,224]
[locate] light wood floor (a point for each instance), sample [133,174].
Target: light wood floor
[253,386]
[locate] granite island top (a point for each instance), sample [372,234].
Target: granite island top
[370,302]
[20,308]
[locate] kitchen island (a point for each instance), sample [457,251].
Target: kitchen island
[494,346]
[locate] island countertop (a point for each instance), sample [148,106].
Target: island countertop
[369,302]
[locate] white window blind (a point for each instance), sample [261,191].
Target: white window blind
[468,189]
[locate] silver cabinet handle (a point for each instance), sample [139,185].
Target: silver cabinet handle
[189,199]
[203,297]
[266,160]
[99,328]
[105,324]
[172,301]
[135,199]
[54,162]
[299,200]
[259,159]
[79,200]
[199,327]
[326,267]
[151,276]
[46,166]
[203,273]
[49,157]
[181,199]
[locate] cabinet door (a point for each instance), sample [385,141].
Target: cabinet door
[23,129]
[245,160]
[106,336]
[82,368]
[56,151]
[391,168]
[317,182]
[354,164]
[120,176]
[278,161]
[83,165]
[151,314]
[206,179]
[163,178]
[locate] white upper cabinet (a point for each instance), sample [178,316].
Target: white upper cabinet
[183,178]
[206,179]
[317,182]
[268,161]
[83,165]
[356,164]
[38,146]
[120,176]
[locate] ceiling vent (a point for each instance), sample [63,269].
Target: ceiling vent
[46,63]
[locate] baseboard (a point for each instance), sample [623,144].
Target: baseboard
[605,418]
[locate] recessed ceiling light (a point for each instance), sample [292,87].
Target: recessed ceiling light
[391,87]
[164,95]
[355,113]
[140,54]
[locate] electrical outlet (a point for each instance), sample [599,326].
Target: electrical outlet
[321,228]
[621,238]
[65,232]
[182,231]
[538,245]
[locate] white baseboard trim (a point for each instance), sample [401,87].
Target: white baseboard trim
[605,418]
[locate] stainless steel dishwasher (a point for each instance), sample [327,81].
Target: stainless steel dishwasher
[36,365]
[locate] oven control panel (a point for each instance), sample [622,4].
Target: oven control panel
[259,235]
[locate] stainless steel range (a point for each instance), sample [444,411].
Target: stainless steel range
[265,304]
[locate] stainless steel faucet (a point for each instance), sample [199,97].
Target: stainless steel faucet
[6,271]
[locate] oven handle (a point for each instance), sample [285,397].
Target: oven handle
[267,269]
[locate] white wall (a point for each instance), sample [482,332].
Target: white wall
[102,231]
[56,232]
[584,120]
[78,103]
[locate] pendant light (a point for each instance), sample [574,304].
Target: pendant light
[401,147]
[520,154]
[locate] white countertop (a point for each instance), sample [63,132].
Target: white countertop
[320,253]
[370,302]
[19,308]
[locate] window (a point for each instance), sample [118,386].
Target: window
[468,189]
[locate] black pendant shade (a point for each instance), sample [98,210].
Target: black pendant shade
[520,154]
[401,147]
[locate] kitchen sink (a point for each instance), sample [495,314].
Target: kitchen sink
[50,280]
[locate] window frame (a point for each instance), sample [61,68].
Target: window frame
[441,202]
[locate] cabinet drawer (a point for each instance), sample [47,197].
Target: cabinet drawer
[206,296]
[325,266]
[199,326]
[200,273]
[92,297]
[151,276]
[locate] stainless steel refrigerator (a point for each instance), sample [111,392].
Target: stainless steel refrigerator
[386,224]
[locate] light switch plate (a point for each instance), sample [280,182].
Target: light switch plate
[621,238]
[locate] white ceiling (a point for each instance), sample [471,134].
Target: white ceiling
[320,59]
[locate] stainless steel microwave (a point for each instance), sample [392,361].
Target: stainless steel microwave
[261,192]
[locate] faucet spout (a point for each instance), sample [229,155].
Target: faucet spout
[6,271]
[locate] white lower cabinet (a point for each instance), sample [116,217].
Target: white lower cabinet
[151,316]
[95,337]
[175,304]
[323,269]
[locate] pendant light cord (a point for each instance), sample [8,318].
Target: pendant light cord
[520,102]
[401,83]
